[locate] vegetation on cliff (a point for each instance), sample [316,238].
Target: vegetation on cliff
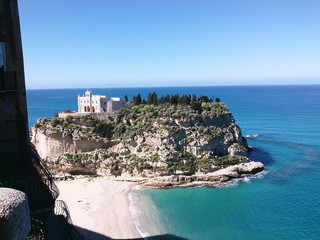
[168,135]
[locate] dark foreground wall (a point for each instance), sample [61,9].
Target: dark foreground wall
[20,166]
[13,111]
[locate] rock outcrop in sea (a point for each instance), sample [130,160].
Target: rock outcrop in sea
[157,145]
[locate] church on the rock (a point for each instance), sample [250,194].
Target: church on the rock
[89,103]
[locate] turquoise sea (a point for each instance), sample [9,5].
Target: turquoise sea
[282,203]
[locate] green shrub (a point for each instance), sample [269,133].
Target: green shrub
[88,118]
[119,130]
[104,129]
[94,175]
[183,161]
[203,164]
[154,158]
[196,106]
[77,158]
[38,229]
[228,160]
[115,168]
[55,122]
[68,118]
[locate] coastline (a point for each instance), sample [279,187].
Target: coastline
[105,208]
[100,208]
[290,159]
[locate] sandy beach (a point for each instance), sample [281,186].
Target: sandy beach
[99,208]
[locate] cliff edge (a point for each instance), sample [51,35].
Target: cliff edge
[152,143]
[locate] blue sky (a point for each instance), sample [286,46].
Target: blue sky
[125,43]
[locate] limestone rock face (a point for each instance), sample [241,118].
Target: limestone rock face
[145,141]
[14,214]
[216,178]
[52,144]
[237,150]
[194,133]
[250,168]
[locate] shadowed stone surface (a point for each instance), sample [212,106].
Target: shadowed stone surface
[14,214]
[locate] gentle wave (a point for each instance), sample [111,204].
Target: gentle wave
[236,181]
[231,183]
[252,135]
[135,213]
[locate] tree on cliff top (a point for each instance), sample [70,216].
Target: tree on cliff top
[136,99]
[152,98]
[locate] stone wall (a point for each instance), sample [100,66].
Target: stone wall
[100,116]
[14,215]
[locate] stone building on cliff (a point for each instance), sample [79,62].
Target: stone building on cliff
[89,103]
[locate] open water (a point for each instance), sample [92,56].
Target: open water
[283,203]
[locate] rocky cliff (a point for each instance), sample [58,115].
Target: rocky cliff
[144,141]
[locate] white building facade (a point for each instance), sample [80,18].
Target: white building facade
[89,103]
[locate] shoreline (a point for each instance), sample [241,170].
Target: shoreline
[100,208]
[107,208]
[216,178]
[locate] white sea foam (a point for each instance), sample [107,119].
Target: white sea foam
[252,135]
[260,174]
[247,178]
[143,214]
[231,183]
[135,212]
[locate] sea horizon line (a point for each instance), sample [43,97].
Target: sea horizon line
[188,86]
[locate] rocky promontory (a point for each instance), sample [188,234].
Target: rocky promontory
[159,145]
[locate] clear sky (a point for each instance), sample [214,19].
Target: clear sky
[125,43]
